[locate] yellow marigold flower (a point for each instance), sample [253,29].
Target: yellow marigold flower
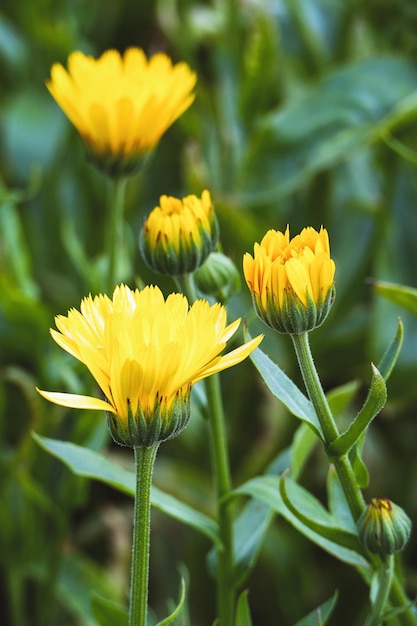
[145,352]
[291,281]
[121,105]
[178,235]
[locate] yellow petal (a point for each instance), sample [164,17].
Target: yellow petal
[75,401]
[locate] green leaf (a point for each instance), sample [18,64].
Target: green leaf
[337,503]
[285,390]
[374,402]
[390,356]
[175,613]
[358,464]
[321,615]
[266,489]
[85,462]
[107,612]
[243,617]
[314,516]
[249,530]
[302,445]
[399,294]
[351,108]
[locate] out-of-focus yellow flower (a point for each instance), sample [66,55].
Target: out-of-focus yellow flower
[291,281]
[145,352]
[121,105]
[178,235]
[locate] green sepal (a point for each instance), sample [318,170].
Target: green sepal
[327,527]
[117,165]
[147,428]
[321,615]
[175,613]
[107,612]
[374,402]
[294,318]
[399,294]
[243,617]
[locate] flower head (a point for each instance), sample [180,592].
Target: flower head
[178,235]
[291,281]
[384,527]
[145,352]
[121,105]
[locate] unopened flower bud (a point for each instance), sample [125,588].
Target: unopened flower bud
[218,277]
[384,527]
[179,234]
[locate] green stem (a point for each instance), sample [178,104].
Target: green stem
[144,461]
[222,479]
[384,585]
[342,464]
[328,425]
[115,245]
[399,598]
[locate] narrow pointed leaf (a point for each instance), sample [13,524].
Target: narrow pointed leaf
[390,356]
[243,617]
[266,489]
[284,389]
[321,615]
[374,402]
[311,514]
[107,612]
[90,464]
[175,613]
[399,294]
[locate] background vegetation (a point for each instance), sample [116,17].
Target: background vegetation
[298,105]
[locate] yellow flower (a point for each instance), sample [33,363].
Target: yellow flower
[121,105]
[291,281]
[178,235]
[145,353]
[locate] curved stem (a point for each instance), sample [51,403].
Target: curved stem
[384,585]
[138,608]
[115,244]
[342,464]
[328,425]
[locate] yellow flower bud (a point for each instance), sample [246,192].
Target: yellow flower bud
[384,527]
[291,281]
[178,235]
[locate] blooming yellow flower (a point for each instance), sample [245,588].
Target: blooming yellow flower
[121,105]
[179,234]
[145,353]
[291,281]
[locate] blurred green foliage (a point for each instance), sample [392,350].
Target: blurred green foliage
[294,102]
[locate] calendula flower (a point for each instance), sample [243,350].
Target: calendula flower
[384,527]
[145,352]
[121,105]
[179,234]
[291,281]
